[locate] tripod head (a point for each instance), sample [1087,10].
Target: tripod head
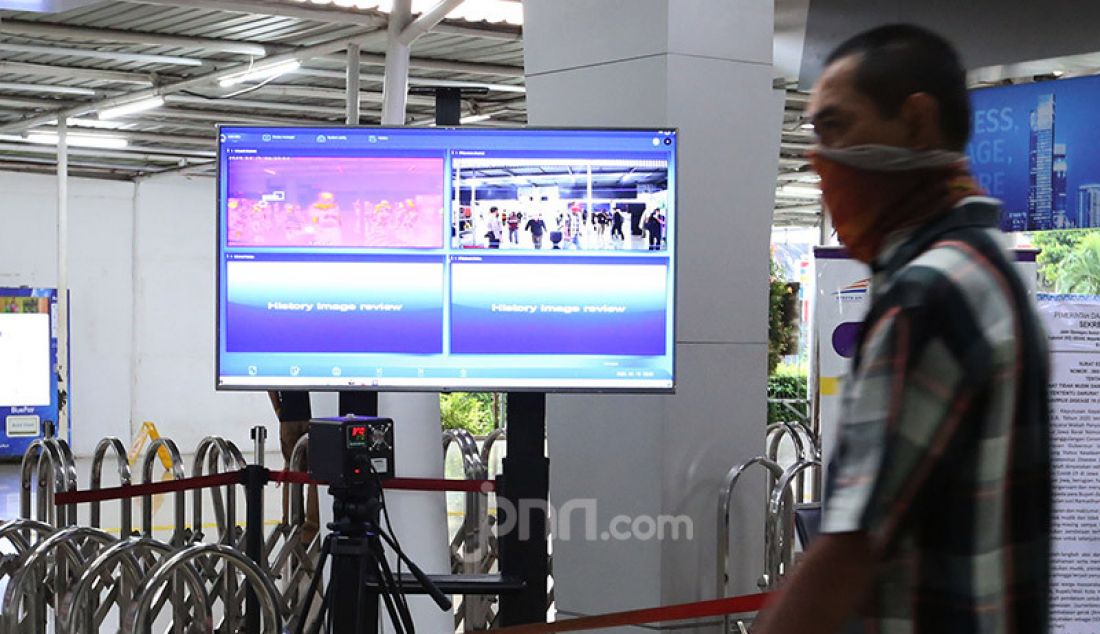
[354,454]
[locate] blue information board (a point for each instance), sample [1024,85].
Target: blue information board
[28,366]
[1037,148]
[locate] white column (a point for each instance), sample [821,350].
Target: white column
[352,85]
[704,67]
[420,519]
[63,430]
[395,84]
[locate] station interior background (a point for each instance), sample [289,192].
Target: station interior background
[142,222]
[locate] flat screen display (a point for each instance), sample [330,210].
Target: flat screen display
[446,259]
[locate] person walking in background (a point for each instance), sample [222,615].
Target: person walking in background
[495,229]
[617,225]
[513,228]
[573,226]
[293,410]
[537,227]
[653,228]
[937,509]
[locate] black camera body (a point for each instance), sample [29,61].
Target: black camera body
[350,451]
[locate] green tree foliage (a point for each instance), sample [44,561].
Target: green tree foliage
[1079,271]
[472,411]
[1054,247]
[787,383]
[782,329]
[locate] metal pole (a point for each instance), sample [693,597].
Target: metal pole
[62,278]
[395,85]
[526,487]
[352,86]
[255,477]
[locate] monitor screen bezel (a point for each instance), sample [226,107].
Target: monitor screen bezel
[441,387]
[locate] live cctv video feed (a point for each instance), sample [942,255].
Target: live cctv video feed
[555,204]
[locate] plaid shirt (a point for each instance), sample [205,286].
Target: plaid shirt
[943,456]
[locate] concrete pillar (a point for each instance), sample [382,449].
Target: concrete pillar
[704,67]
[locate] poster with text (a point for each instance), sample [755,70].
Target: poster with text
[1073,327]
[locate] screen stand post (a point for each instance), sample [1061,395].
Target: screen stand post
[360,403]
[526,489]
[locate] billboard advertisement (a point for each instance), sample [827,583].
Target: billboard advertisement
[1036,147]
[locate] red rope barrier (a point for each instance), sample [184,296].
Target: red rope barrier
[234,477]
[680,612]
[402,484]
[138,490]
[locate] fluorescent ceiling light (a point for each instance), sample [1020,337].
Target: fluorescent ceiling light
[475,118]
[261,73]
[79,140]
[131,108]
[799,191]
[94,123]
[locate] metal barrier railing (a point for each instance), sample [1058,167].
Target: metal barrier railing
[33,587]
[469,547]
[294,563]
[122,463]
[99,589]
[177,471]
[725,525]
[51,460]
[779,535]
[141,612]
[210,450]
[92,577]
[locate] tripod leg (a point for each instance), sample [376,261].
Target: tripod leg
[326,602]
[400,626]
[314,583]
[387,576]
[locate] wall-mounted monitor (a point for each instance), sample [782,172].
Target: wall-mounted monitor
[446,259]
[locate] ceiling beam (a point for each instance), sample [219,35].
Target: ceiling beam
[301,54]
[69,72]
[70,33]
[415,81]
[168,115]
[115,56]
[77,170]
[335,15]
[334,94]
[281,9]
[241,105]
[507,34]
[132,153]
[47,88]
[446,65]
[148,137]
[30,104]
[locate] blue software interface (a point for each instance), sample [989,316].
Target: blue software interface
[439,258]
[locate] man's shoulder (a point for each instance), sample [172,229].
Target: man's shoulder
[972,255]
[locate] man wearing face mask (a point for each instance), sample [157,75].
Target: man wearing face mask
[938,499]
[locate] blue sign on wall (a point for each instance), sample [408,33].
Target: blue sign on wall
[1037,148]
[28,366]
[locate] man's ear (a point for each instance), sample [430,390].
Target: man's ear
[921,114]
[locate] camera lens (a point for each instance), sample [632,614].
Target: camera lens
[668,141]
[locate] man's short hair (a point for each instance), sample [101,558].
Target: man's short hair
[899,60]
